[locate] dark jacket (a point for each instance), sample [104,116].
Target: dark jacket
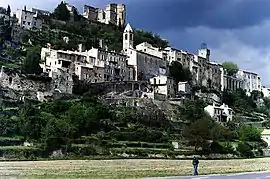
[195,161]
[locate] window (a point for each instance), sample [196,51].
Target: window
[130,37]
[29,23]
[126,36]
[24,22]
[25,17]
[35,23]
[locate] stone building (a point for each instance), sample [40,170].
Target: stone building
[266,92]
[41,12]
[252,81]
[146,65]
[114,64]
[221,113]
[209,74]
[205,73]
[112,14]
[28,19]
[230,83]
[163,85]
[92,66]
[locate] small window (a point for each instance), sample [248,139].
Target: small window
[24,22]
[29,23]
[25,17]
[126,36]
[130,37]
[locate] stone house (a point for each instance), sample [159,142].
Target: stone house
[28,19]
[230,83]
[146,65]
[221,113]
[163,85]
[251,80]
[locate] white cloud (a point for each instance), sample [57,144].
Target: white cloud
[248,47]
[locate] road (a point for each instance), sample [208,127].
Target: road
[255,175]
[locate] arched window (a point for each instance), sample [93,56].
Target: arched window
[130,37]
[126,36]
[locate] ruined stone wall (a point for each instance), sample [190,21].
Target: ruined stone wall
[107,87]
[9,79]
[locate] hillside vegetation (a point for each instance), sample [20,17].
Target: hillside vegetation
[86,127]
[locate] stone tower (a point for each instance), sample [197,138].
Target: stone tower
[204,52]
[128,38]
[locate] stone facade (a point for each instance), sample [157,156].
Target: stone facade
[204,72]
[112,14]
[12,80]
[28,19]
[230,83]
[146,65]
[252,81]
[163,85]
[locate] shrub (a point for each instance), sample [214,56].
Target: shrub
[245,150]
[20,152]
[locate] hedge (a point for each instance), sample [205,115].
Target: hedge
[10,141]
[20,152]
[145,152]
[139,144]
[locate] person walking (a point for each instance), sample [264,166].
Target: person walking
[195,163]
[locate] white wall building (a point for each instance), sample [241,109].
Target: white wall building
[149,49]
[163,85]
[28,19]
[266,92]
[252,81]
[95,65]
[220,113]
[230,83]
[146,65]
[184,87]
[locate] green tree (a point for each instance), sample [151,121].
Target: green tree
[198,133]
[8,11]
[230,67]
[31,63]
[249,133]
[179,73]
[56,134]
[192,110]
[61,12]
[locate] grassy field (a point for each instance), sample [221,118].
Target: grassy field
[120,169]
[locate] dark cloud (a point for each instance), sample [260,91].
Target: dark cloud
[179,14]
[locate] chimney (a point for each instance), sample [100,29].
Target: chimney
[101,43]
[81,48]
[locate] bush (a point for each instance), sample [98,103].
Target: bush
[249,133]
[10,141]
[218,148]
[20,152]
[245,150]
[87,150]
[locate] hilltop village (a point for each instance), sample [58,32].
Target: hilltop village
[47,57]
